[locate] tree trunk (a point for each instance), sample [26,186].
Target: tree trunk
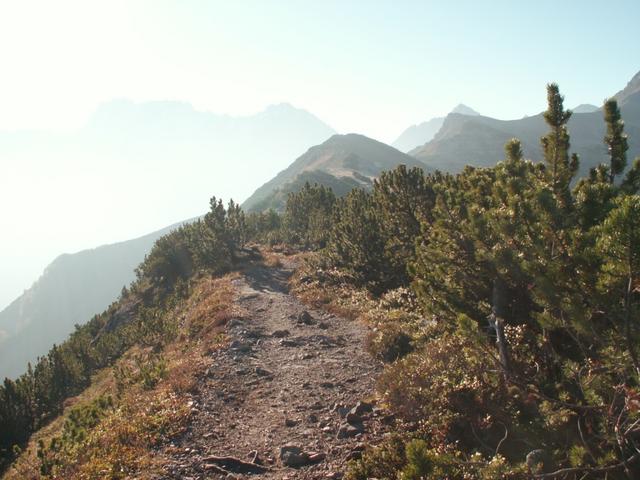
[496,319]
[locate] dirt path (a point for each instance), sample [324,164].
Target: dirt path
[289,377]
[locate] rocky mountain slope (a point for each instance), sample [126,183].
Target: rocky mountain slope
[466,140]
[342,162]
[417,135]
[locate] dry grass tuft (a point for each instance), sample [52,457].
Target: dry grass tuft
[272,260]
[211,306]
[327,291]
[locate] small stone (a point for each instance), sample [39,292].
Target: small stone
[234,322]
[313,418]
[263,372]
[289,422]
[340,409]
[353,418]
[281,333]
[239,346]
[361,408]
[293,456]
[249,296]
[306,318]
[323,325]
[389,419]
[350,430]
[252,334]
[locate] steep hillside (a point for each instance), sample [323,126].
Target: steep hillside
[466,140]
[420,134]
[342,162]
[71,290]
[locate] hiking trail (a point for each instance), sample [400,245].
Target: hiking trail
[286,398]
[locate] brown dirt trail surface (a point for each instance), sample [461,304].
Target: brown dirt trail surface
[286,398]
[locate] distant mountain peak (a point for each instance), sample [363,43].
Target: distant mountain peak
[417,135]
[283,109]
[585,108]
[125,113]
[462,109]
[279,107]
[342,162]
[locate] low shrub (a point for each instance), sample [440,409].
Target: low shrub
[389,343]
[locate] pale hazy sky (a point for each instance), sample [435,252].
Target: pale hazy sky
[373,67]
[367,66]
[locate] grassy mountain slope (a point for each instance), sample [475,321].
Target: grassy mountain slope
[113,428]
[342,162]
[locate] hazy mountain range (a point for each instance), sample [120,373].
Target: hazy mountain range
[75,287]
[158,161]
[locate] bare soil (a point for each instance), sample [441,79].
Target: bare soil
[288,376]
